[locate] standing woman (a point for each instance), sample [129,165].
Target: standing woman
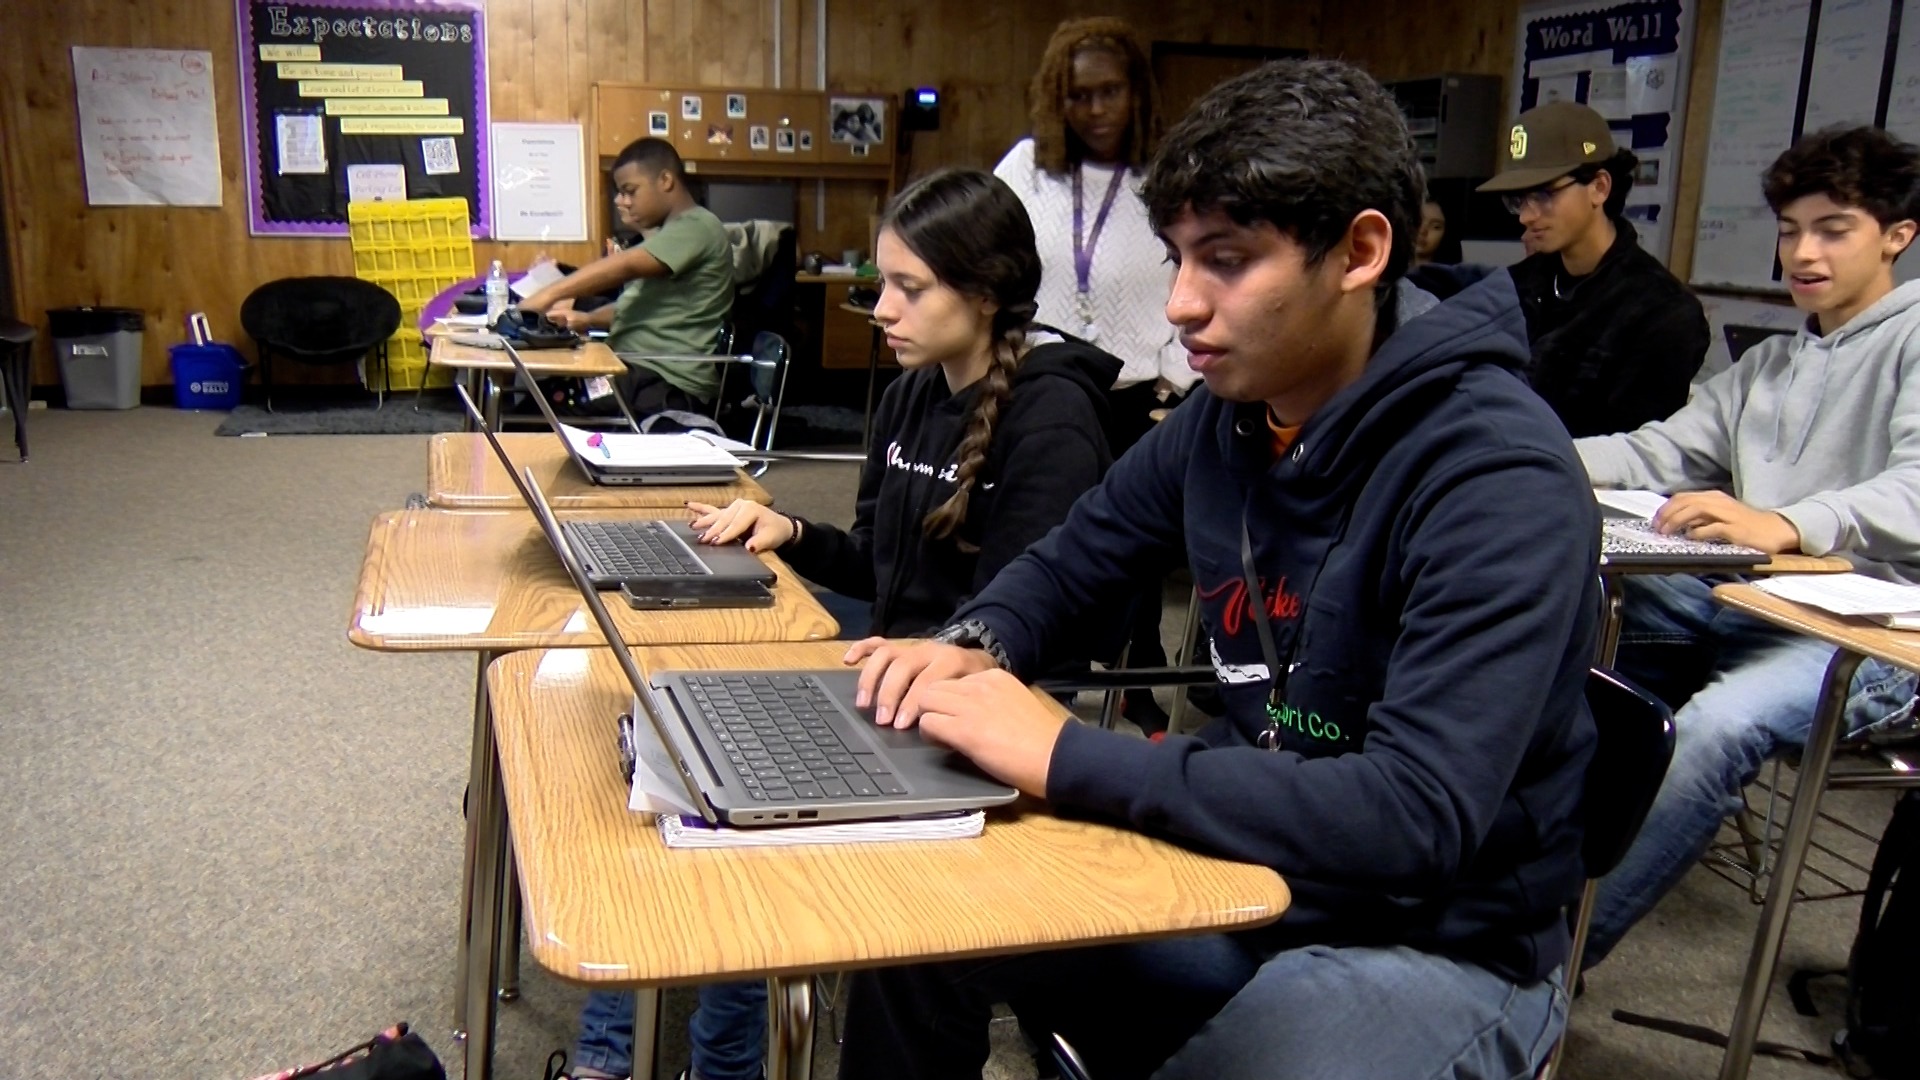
[1105,275]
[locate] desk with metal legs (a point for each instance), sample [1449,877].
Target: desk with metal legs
[488,583]
[608,905]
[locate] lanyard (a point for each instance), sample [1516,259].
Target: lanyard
[1082,243]
[1268,739]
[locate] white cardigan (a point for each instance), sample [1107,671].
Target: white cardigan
[1131,277]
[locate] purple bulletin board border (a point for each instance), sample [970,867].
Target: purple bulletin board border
[250,119]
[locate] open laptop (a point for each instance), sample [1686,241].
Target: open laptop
[692,461]
[623,553]
[1629,539]
[779,747]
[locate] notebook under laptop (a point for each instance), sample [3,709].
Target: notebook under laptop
[779,747]
[1628,539]
[659,553]
[717,466]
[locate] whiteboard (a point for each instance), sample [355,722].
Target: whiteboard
[1765,77]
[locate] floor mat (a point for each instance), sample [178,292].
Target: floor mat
[401,415]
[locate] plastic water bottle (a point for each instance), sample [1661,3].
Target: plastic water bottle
[496,293]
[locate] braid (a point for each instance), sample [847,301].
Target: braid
[972,452]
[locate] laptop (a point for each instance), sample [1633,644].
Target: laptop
[1629,539]
[687,460]
[780,747]
[661,554]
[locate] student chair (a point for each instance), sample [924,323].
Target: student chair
[767,363]
[1630,759]
[320,321]
[16,376]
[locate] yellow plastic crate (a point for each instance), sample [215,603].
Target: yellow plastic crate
[407,364]
[417,238]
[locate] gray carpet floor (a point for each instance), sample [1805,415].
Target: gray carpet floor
[232,840]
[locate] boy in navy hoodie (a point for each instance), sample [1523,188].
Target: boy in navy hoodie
[1396,554]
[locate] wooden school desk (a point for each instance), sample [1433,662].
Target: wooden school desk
[463,474]
[609,906]
[483,370]
[1613,592]
[1857,640]
[487,582]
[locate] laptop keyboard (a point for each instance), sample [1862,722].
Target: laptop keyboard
[777,739]
[635,549]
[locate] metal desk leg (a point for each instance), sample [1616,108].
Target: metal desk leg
[490,405]
[1751,1008]
[789,1028]
[1612,614]
[470,378]
[1183,655]
[509,973]
[481,761]
[646,1033]
[486,817]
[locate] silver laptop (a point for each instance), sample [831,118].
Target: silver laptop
[659,553]
[607,474]
[780,747]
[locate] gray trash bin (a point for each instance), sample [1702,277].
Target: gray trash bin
[99,351]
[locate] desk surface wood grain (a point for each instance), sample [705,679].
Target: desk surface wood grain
[441,580]
[608,903]
[1901,647]
[593,358]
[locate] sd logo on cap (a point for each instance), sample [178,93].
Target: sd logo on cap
[1549,142]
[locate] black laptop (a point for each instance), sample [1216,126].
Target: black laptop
[778,747]
[658,553]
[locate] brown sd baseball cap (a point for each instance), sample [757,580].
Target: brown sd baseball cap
[1549,142]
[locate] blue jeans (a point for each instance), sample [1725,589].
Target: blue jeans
[1761,686]
[728,1032]
[1210,1008]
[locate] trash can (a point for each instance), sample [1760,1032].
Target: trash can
[99,351]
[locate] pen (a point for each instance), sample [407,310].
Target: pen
[595,440]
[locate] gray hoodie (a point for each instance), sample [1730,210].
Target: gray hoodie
[1824,430]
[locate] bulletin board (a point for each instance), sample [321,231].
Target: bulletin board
[1628,62]
[392,92]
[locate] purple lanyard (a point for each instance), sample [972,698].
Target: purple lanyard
[1083,248]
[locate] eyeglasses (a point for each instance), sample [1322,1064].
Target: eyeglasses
[1539,199]
[1098,95]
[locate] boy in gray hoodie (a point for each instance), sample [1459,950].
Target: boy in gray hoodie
[1809,444]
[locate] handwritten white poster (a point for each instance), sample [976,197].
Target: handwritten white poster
[539,182]
[147,133]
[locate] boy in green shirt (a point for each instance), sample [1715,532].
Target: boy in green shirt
[678,285]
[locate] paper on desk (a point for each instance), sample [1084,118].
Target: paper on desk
[1883,602]
[624,449]
[538,276]
[694,832]
[733,446]
[1638,503]
[463,322]
[656,779]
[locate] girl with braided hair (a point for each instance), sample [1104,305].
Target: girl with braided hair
[979,449]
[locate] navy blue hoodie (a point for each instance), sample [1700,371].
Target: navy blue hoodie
[1426,552]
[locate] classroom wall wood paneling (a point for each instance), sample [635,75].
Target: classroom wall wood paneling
[544,57]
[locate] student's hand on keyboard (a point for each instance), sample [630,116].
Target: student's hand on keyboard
[1716,515]
[994,720]
[764,527]
[896,676]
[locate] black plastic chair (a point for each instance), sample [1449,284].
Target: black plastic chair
[1629,763]
[320,321]
[16,375]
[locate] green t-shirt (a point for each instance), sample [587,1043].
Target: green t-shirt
[680,314]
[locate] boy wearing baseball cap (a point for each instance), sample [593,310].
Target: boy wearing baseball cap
[1616,338]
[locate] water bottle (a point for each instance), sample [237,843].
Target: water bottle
[496,293]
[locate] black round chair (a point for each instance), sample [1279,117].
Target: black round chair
[321,321]
[16,375]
